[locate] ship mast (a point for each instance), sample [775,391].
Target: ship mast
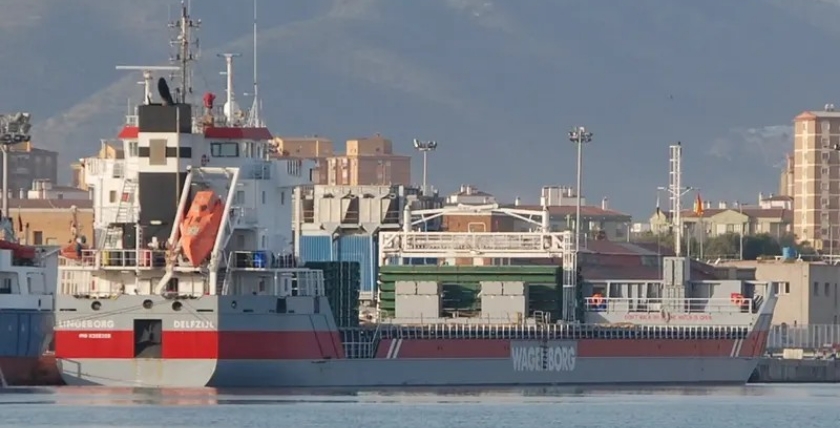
[254,113]
[676,191]
[185,25]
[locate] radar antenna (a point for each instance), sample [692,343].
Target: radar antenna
[184,54]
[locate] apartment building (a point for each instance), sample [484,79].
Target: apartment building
[28,163]
[816,177]
[369,161]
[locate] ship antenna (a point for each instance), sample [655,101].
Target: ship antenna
[230,109]
[184,54]
[147,77]
[254,113]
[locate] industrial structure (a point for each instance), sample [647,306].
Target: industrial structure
[343,223]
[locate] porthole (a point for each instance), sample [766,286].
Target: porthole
[177,306]
[96,305]
[147,304]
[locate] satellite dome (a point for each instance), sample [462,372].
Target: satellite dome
[227,110]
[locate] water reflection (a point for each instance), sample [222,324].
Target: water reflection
[102,396]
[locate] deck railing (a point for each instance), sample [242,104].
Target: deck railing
[813,338]
[659,305]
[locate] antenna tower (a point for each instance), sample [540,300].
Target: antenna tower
[254,113]
[676,192]
[184,54]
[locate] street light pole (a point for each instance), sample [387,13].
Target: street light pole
[14,128]
[741,233]
[579,135]
[425,147]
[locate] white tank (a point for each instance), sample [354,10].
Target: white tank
[231,113]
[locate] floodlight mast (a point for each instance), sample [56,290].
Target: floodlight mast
[425,147]
[14,128]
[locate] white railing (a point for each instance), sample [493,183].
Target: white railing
[115,259]
[487,244]
[812,338]
[81,283]
[289,282]
[108,168]
[557,331]
[244,216]
[658,305]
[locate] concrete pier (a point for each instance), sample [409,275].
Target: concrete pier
[777,370]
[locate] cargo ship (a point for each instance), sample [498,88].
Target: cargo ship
[27,287]
[198,288]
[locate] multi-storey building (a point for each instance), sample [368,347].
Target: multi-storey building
[28,163]
[367,161]
[816,177]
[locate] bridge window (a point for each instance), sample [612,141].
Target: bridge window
[248,149]
[224,150]
[133,149]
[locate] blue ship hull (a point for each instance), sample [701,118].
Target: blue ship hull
[24,337]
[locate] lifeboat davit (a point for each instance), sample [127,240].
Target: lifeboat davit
[200,226]
[69,251]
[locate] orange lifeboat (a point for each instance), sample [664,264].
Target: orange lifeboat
[70,252]
[200,226]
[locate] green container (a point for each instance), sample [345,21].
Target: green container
[342,281]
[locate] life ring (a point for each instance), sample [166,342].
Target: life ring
[738,299]
[205,160]
[597,300]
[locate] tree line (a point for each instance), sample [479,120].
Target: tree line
[728,245]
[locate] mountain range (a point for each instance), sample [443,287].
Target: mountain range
[498,83]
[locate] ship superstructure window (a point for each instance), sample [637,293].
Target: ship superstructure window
[133,149]
[6,286]
[248,149]
[224,150]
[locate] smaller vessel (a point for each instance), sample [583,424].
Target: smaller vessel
[27,285]
[200,227]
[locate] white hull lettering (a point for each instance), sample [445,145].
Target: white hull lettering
[192,325]
[537,359]
[87,324]
[94,335]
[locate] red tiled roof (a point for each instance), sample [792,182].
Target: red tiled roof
[223,133]
[561,210]
[805,115]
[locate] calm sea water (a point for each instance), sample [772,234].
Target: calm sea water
[812,406]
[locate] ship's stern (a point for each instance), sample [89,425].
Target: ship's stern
[136,340]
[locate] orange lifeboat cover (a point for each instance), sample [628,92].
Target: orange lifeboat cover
[200,226]
[69,251]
